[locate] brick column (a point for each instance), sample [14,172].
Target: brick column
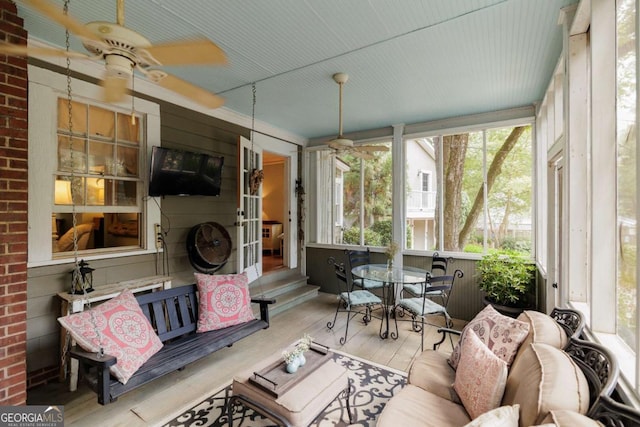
[13,212]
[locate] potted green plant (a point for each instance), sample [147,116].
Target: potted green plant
[507,281]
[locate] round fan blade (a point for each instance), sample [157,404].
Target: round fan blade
[23,50]
[114,88]
[191,91]
[187,52]
[54,13]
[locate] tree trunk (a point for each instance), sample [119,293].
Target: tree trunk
[454,151]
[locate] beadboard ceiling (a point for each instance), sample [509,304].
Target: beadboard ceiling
[409,61]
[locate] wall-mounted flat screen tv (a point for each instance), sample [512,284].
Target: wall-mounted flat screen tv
[184,173]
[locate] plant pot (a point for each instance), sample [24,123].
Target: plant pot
[511,311]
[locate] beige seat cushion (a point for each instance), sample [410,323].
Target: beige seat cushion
[545,379]
[415,407]
[431,372]
[301,404]
[563,418]
[542,329]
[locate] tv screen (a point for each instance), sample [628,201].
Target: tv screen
[182,173]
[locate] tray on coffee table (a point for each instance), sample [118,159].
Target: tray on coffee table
[274,378]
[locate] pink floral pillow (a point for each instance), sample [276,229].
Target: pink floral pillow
[481,376]
[502,334]
[224,301]
[120,328]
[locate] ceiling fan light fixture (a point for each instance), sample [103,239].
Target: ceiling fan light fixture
[118,66]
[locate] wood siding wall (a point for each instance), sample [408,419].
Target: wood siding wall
[466,299]
[180,128]
[13,212]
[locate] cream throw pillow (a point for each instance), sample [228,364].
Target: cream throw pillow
[481,376]
[504,416]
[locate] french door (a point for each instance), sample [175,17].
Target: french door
[249,210]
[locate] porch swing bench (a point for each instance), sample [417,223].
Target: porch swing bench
[173,313]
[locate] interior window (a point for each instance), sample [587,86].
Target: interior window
[98,177]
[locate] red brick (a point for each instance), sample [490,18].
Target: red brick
[14,174]
[19,283]
[12,299]
[14,102]
[18,186]
[20,248]
[16,206]
[16,228]
[12,90]
[16,329]
[13,339]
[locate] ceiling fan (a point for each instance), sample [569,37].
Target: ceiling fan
[343,144]
[124,50]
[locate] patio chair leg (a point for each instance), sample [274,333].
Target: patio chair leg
[330,324]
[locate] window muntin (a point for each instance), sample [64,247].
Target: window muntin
[98,176]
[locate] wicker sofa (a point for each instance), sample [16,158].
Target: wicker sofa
[554,379]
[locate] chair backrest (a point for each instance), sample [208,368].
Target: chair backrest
[439,265]
[572,321]
[357,258]
[340,271]
[443,283]
[354,259]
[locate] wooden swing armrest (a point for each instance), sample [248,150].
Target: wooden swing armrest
[264,306]
[92,358]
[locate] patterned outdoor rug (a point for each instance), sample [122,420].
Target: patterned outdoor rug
[372,385]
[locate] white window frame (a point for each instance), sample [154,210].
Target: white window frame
[45,87]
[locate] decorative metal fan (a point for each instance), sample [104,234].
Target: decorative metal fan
[124,50]
[343,144]
[208,246]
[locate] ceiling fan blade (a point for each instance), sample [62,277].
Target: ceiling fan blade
[114,88]
[188,52]
[24,50]
[191,91]
[361,154]
[372,148]
[54,13]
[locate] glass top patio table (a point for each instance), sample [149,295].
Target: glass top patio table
[396,275]
[390,277]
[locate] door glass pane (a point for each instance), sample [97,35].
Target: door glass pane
[626,173]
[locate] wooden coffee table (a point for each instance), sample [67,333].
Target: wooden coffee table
[291,399]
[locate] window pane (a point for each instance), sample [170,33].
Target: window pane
[351,234]
[509,222]
[367,197]
[101,123]
[128,158]
[79,114]
[71,152]
[128,131]
[100,155]
[504,157]
[420,197]
[462,185]
[626,173]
